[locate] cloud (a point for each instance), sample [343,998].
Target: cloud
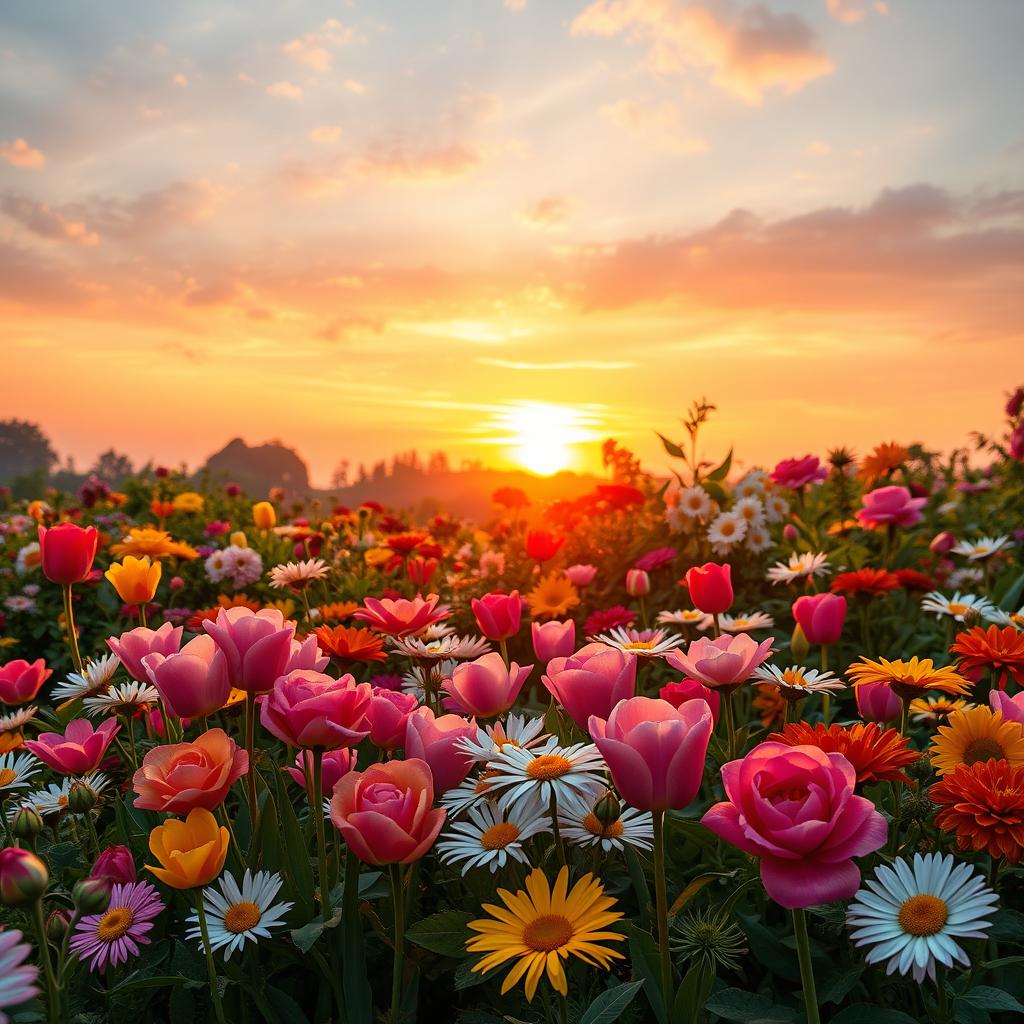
[547,214]
[340,328]
[180,80]
[325,134]
[818,149]
[852,11]
[355,87]
[748,50]
[515,6]
[41,220]
[659,124]
[398,162]
[287,90]
[314,49]
[20,154]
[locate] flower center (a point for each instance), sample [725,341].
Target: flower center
[593,824]
[794,677]
[981,549]
[640,645]
[241,917]
[114,924]
[983,750]
[7,776]
[956,608]
[727,528]
[549,766]
[923,914]
[547,932]
[498,836]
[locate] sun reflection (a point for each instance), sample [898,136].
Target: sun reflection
[543,438]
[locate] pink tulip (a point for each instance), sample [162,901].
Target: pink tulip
[388,712]
[821,617]
[724,663]
[78,750]
[21,681]
[309,709]
[678,694]
[485,687]
[194,682]
[335,765]
[306,655]
[942,543]
[435,740]
[890,506]
[257,645]
[796,474]
[553,639]
[795,809]
[654,751]
[789,533]
[132,646]
[591,681]
[581,575]
[401,617]
[710,587]
[877,703]
[1011,708]
[498,615]
[116,865]
[638,583]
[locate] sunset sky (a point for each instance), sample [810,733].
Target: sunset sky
[371,226]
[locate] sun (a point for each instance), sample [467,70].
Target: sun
[542,437]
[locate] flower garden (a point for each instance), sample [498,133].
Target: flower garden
[721,746]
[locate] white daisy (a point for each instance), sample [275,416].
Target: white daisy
[460,647]
[492,837]
[571,776]
[983,547]
[477,789]
[726,530]
[644,643]
[298,575]
[796,682]
[94,679]
[687,617]
[957,606]
[745,622]
[750,509]
[122,699]
[968,576]
[1001,618]
[776,508]
[758,539]
[435,631]
[515,731]
[808,564]
[17,720]
[694,502]
[752,485]
[29,558]
[236,915]
[677,521]
[217,567]
[631,828]
[54,798]
[19,603]
[16,771]
[911,917]
[422,677]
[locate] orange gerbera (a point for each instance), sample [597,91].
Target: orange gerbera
[195,624]
[337,611]
[1001,650]
[770,704]
[346,643]
[877,755]
[881,462]
[909,679]
[865,581]
[405,543]
[983,804]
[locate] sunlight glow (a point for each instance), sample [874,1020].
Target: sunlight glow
[543,437]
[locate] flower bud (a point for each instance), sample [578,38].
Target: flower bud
[638,583]
[264,516]
[27,823]
[789,533]
[81,797]
[57,925]
[798,644]
[942,543]
[607,810]
[92,895]
[971,617]
[23,877]
[239,540]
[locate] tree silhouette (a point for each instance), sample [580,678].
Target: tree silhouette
[24,450]
[112,467]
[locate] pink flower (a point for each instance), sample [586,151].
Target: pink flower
[724,663]
[796,474]
[485,687]
[257,645]
[115,865]
[795,809]
[821,617]
[553,639]
[21,681]
[309,709]
[592,681]
[710,587]
[638,583]
[656,559]
[335,765]
[654,751]
[434,740]
[132,646]
[193,682]
[78,750]
[401,617]
[890,505]
[678,694]
[877,703]
[498,615]
[387,715]
[942,543]
[1011,708]
[581,575]
[306,655]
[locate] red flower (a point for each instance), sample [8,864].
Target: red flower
[405,543]
[876,755]
[656,559]
[542,546]
[1001,650]
[607,618]
[619,496]
[865,581]
[510,497]
[911,579]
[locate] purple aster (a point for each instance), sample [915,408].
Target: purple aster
[114,936]
[17,979]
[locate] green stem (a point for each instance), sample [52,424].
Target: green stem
[661,900]
[730,725]
[321,840]
[250,779]
[504,651]
[803,949]
[398,904]
[904,716]
[559,845]
[211,970]
[69,622]
[142,616]
[52,992]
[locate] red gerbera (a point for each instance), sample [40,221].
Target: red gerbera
[195,623]
[1001,650]
[405,543]
[877,755]
[911,579]
[607,618]
[983,804]
[865,581]
[347,643]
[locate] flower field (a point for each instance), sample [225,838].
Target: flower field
[719,745]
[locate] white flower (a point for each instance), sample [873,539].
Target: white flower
[758,539]
[217,566]
[435,631]
[745,622]
[981,548]
[459,647]
[968,576]
[515,731]
[54,798]
[687,617]
[236,915]
[808,564]
[957,606]
[28,558]
[475,790]
[911,917]
[94,679]
[694,502]
[776,508]
[17,719]
[572,776]
[16,771]
[123,699]
[423,677]
[1001,618]
[796,682]
[677,521]
[750,509]
[492,837]
[299,575]
[19,603]
[752,485]
[726,530]
[644,643]
[631,828]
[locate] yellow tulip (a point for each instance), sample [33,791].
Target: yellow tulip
[239,539]
[135,579]
[191,852]
[189,501]
[264,516]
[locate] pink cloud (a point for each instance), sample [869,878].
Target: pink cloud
[314,49]
[398,162]
[20,154]
[548,213]
[41,220]
[659,124]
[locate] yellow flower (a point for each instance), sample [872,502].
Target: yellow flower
[286,606]
[540,928]
[239,539]
[908,679]
[189,501]
[263,515]
[976,734]
[38,510]
[135,579]
[552,598]
[145,540]
[376,556]
[191,852]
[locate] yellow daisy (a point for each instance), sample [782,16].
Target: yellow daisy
[935,710]
[541,927]
[145,540]
[976,734]
[908,679]
[552,598]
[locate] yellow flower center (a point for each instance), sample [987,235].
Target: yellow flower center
[794,677]
[114,924]
[740,623]
[640,645]
[62,800]
[981,549]
[727,528]
[498,836]
[923,915]
[593,824]
[547,932]
[982,750]
[7,776]
[956,608]
[549,766]
[241,917]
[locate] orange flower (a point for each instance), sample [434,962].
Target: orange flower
[983,804]
[865,581]
[405,543]
[877,755]
[770,704]
[881,462]
[908,679]
[337,611]
[195,624]
[1001,650]
[191,852]
[346,643]
[161,509]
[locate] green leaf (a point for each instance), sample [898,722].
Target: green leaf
[306,936]
[609,1005]
[984,997]
[1010,598]
[869,1013]
[62,856]
[748,1007]
[692,994]
[643,951]
[286,1010]
[445,933]
[721,471]
[672,448]
[466,977]
[695,887]
[1007,926]
[295,856]
[835,987]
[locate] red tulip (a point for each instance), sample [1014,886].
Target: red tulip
[20,681]
[710,587]
[67,552]
[541,545]
[498,615]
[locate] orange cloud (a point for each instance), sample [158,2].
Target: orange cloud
[852,11]
[325,134]
[20,154]
[44,222]
[287,90]
[547,214]
[659,124]
[396,161]
[314,49]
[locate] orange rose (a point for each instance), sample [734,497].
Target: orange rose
[180,776]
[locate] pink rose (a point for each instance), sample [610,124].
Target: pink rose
[335,765]
[132,646]
[308,709]
[257,645]
[890,505]
[387,715]
[678,694]
[796,474]
[193,682]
